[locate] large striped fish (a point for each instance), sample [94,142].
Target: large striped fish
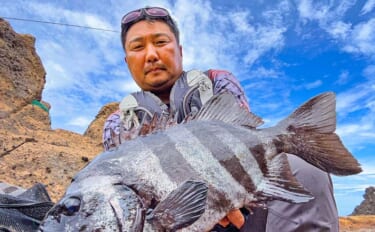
[189,176]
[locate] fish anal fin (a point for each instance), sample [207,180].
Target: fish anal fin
[181,208]
[279,182]
[224,107]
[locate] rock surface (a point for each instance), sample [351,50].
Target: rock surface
[22,76]
[364,223]
[367,207]
[31,152]
[95,129]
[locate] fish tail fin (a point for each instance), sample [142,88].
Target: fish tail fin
[280,184]
[313,125]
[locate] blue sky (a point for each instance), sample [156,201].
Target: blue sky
[283,52]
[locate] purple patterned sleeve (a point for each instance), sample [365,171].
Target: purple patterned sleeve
[111,131]
[226,81]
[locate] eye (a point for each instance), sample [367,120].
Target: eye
[161,41]
[71,206]
[135,46]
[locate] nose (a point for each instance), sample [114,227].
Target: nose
[151,54]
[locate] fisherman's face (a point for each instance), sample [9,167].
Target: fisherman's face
[153,56]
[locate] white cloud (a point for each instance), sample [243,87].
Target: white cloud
[126,86]
[348,130]
[343,78]
[354,99]
[331,17]
[240,21]
[339,30]
[215,38]
[360,100]
[369,6]
[307,10]
[80,122]
[314,84]
[362,39]
[264,40]
[200,36]
[262,72]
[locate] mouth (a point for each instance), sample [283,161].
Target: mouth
[155,69]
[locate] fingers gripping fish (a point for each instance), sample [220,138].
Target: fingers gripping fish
[187,177]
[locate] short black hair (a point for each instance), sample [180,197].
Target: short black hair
[166,19]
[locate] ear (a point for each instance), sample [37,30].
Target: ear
[180,50]
[125,59]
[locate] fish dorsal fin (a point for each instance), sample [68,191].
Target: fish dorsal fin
[224,107]
[157,123]
[181,208]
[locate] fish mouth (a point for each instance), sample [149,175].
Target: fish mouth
[118,212]
[129,213]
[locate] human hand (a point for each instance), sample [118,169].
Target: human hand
[235,217]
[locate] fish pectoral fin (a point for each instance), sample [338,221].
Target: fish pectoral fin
[181,208]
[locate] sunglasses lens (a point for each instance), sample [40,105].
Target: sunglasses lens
[131,16]
[156,11]
[153,11]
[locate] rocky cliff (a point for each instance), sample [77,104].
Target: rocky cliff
[31,152]
[367,207]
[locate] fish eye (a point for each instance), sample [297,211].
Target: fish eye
[71,206]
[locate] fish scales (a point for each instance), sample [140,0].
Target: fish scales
[147,165]
[232,153]
[172,162]
[261,146]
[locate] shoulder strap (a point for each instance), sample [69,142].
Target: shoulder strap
[140,106]
[203,84]
[189,93]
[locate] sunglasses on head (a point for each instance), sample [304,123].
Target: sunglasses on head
[154,12]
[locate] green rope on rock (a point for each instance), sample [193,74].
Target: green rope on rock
[41,105]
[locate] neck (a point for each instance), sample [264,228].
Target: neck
[164,96]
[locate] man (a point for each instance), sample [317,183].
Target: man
[153,54]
